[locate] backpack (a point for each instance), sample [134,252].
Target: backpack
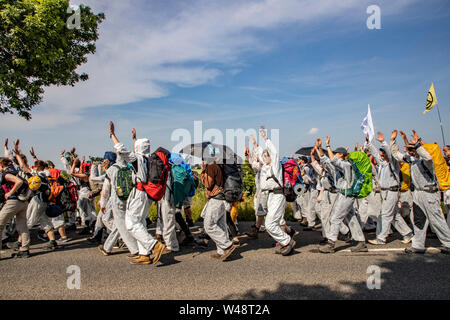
[362,175]
[68,197]
[405,177]
[233,187]
[24,193]
[292,180]
[157,172]
[440,165]
[124,182]
[183,184]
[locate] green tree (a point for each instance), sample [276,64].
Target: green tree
[248,179]
[38,49]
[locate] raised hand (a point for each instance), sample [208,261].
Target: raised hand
[252,139]
[133,134]
[62,153]
[394,135]
[263,132]
[111,128]
[73,150]
[6,143]
[327,140]
[367,137]
[16,146]
[415,137]
[380,136]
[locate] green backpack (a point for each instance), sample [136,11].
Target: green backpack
[124,182]
[362,175]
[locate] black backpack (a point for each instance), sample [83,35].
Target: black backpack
[232,182]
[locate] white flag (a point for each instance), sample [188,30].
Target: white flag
[367,125]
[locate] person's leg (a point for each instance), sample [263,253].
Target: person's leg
[21,224]
[33,211]
[353,223]
[419,220]
[168,224]
[120,230]
[230,224]
[276,206]
[213,212]
[312,202]
[436,219]
[388,210]
[138,206]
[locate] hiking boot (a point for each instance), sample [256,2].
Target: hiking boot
[236,242]
[23,254]
[317,227]
[360,247]
[142,260]
[158,250]
[407,239]
[51,246]
[189,240]
[377,242]
[216,256]
[277,248]
[103,251]
[414,250]
[327,248]
[228,252]
[323,241]
[132,256]
[286,250]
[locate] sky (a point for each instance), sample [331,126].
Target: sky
[306,68]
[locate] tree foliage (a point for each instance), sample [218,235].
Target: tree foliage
[38,49]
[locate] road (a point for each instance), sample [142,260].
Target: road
[253,272]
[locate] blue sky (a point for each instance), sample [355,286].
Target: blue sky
[296,66]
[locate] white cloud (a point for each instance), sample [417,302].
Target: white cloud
[313,131]
[148,45]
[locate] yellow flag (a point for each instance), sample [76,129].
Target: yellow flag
[431,99]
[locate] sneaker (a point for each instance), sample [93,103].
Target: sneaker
[42,237]
[103,251]
[345,237]
[360,247]
[236,242]
[63,240]
[142,260]
[317,227]
[323,241]
[286,250]
[327,248]
[189,240]
[14,245]
[51,246]
[407,239]
[228,252]
[23,254]
[277,248]
[158,249]
[414,250]
[377,242]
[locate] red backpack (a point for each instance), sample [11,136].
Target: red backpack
[158,170]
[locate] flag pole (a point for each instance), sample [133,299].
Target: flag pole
[440,122]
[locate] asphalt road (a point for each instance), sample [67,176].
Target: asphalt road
[253,272]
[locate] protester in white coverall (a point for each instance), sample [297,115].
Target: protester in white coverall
[138,203]
[344,204]
[426,198]
[389,179]
[165,225]
[276,202]
[118,207]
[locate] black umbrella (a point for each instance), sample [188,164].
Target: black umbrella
[306,151]
[212,151]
